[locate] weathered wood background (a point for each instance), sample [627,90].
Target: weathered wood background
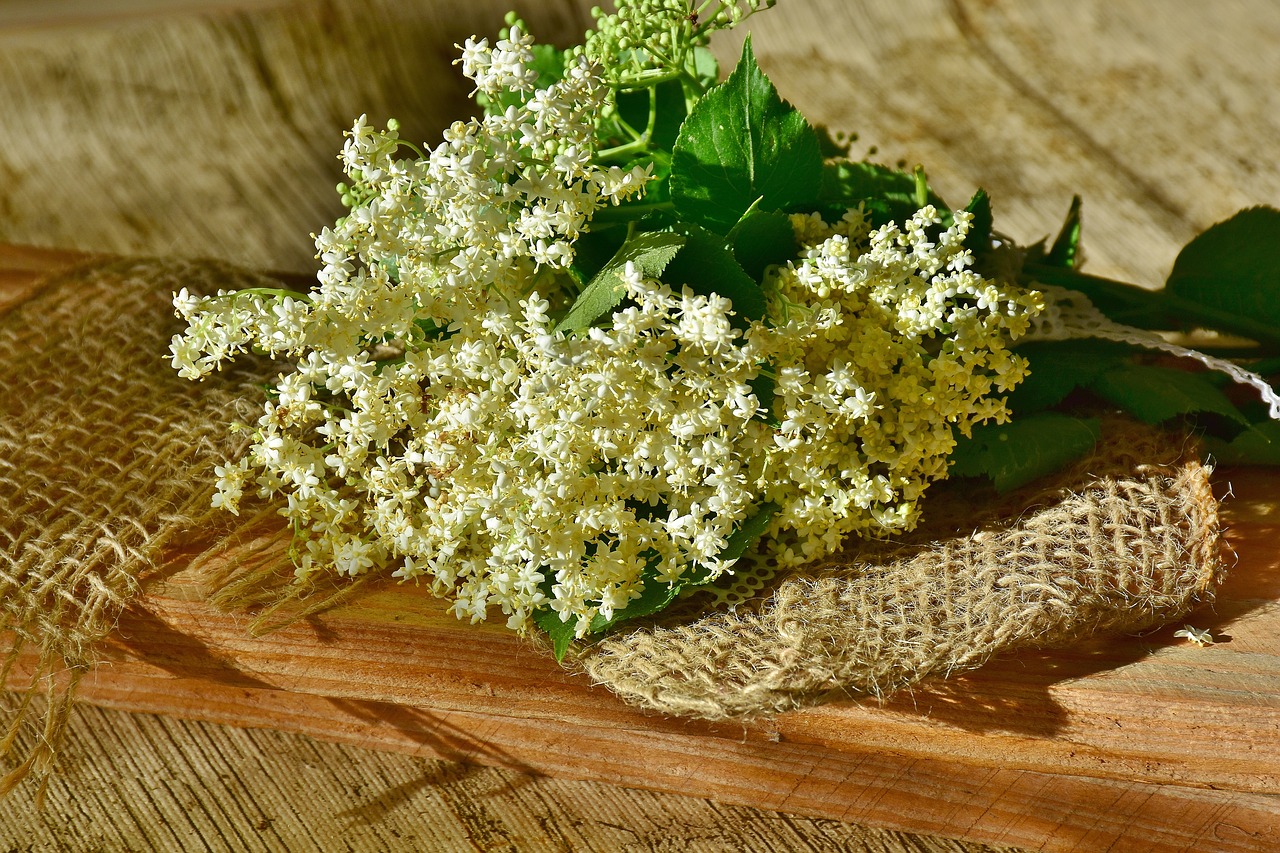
[207,128]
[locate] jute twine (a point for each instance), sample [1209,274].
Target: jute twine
[1126,541]
[106,458]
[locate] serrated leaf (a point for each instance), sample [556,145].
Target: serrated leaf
[888,194]
[658,595]
[651,252]
[707,265]
[1259,444]
[655,595]
[1156,394]
[1056,368]
[560,633]
[978,240]
[1065,251]
[761,239]
[1233,269]
[742,142]
[1023,450]
[595,248]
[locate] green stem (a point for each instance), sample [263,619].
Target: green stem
[1152,309]
[640,140]
[273,292]
[629,212]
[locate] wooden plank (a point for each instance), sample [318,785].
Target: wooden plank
[1146,740]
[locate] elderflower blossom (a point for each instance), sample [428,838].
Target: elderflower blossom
[437,420]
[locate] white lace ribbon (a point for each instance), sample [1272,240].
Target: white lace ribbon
[1069,315]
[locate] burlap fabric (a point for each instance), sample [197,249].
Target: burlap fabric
[1127,540]
[106,458]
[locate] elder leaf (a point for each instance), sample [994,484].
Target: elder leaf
[1156,394]
[887,194]
[1056,368]
[707,265]
[1065,251]
[978,239]
[742,143]
[1259,444]
[1233,269]
[651,252]
[761,239]
[1016,453]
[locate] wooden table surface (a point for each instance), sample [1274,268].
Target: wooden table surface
[214,134]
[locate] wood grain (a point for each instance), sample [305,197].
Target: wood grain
[215,133]
[1144,739]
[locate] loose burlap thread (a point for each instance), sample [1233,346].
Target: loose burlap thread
[106,459]
[1126,541]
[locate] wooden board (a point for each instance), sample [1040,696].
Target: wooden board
[1148,741]
[1162,115]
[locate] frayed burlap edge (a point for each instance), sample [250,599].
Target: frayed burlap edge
[1126,541]
[106,461]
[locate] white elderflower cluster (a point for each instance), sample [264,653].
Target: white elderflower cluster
[437,421]
[884,344]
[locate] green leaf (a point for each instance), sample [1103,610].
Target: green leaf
[651,252]
[634,107]
[888,194]
[761,239]
[595,248]
[1065,252]
[560,633]
[741,142]
[655,594]
[707,265]
[763,387]
[1233,269]
[1257,445]
[1156,394]
[1059,367]
[1023,450]
[978,240]
[706,69]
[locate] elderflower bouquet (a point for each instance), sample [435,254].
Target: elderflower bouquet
[630,326]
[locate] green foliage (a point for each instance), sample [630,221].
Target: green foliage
[887,194]
[1021,451]
[650,252]
[655,594]
[1157,394]
[1259,444]
[761,239]
[1233,270]
[742,145]
[1059,367]
[1065,251]
[978,239]
[707,265]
